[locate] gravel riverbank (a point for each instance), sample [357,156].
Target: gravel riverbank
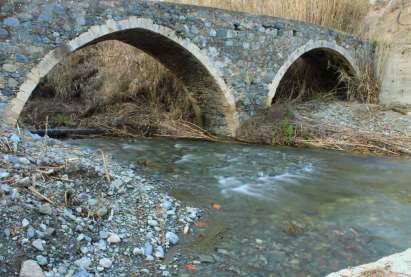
[74,212]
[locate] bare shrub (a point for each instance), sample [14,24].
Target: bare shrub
[364,86]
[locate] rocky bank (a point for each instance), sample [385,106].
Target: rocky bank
[72,212]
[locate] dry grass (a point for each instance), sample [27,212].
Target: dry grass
[344,15]
[109,84]
[325,136]
[365,86]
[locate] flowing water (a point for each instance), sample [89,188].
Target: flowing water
[278,211]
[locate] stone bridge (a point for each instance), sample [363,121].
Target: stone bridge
[231,62]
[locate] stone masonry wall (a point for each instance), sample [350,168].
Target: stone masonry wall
[229,60]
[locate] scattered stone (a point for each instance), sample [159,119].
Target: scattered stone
[30,268]
[45,209]
[9,67]
[152,222]
[172,238]
[83,263]
[25,223]
[82,273]
[105,262]
[167,205]
[102,245]
[148,249]
[159,252]
[4,174]
[38,244]
[3,33]
[41,260]
[101,212]
[11,22]
[7,232]
[103,234]
[114,238]
[206,259]
[138,251]
[30,232]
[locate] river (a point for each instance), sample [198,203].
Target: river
[274,211]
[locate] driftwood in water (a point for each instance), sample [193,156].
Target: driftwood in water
[67,132]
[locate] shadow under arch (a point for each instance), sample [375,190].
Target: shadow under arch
[328,50]
[183,58]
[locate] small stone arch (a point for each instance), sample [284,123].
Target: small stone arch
[328,46]
[181,56]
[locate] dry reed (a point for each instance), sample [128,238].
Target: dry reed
[344,15]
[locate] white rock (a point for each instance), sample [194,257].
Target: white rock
[395,265]
[172,238]
[152,222]
[105,262]
[114,238]
[25,222]
[138,251]
[30,268]
[159,252]
[38,244]
[46,209]
[186,229]
[83,263]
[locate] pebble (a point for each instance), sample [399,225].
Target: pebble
[114,238]
[80,237]
[30,268]
[105,262]
[45,209]
[152,222]
[102,245]
[41,260]
[30,232]
[206,259]
[7,232]
[138,251]
[103,234]
[148,249]
[38,244]
[25,222]
[4,174]
[159,252]
[83,263]
[82,273]
[101,212]
[167,205]
[172,238]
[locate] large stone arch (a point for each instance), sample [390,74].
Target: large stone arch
[327,46]
[184,58]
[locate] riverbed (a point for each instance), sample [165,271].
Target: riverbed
[274,211]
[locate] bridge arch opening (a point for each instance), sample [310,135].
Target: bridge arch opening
[190,65]
[315,70]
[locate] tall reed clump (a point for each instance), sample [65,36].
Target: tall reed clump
[365,86]
[344,15]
